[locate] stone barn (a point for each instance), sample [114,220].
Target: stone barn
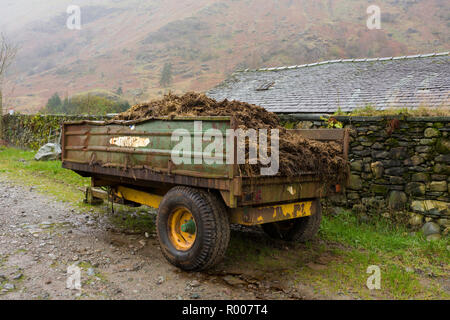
[400,165]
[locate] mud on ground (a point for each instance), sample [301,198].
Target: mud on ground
[41,237]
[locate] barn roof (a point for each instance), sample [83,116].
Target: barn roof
[323,87]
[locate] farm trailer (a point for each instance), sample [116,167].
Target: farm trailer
[196,202]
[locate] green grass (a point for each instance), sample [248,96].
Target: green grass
[48,176]
[382,235]
[411,267]
[395,249]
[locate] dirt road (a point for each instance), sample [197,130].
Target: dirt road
[41,237]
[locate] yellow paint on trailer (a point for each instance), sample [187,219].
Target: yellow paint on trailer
[148,199]
[295,210]
[260,215]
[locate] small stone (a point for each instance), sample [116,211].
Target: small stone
[379,189]
[9,286]
[420,177]
[431,207]
[431,133]
[381,155]
[91,272]
[415,189]
[75,258]
[194,283]
[398,153]
[444,223]
[443,158]
[416,219]
[18,276]
[414,160]
[377,146]
[233,281]
[160,280]
[438,186]
[355,182]
[356,165]
[195,296]
[147,235]
[430,228]
[443,146]
[426,142]
[377,169]
[397,200]
[396,180]
[441,168]
[434,237]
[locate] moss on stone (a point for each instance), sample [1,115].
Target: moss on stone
[443,146]
[379,189]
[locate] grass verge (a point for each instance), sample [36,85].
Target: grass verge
[335,264]
[47,176]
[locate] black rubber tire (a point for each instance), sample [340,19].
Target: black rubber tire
[297,230]
[213,228]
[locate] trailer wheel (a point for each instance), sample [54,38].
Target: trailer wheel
[193,228]
[298,230]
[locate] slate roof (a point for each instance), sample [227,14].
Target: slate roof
[394,82]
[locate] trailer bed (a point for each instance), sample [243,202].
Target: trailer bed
[138,154]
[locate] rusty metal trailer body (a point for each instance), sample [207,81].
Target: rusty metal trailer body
[105,152]
[134,159]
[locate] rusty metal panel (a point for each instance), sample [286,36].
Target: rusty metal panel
[148,144]
[139,153]
[144,177]
[265,190]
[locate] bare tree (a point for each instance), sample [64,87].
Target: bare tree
[7,54]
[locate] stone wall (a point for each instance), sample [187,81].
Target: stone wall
[398,164]
[33,131]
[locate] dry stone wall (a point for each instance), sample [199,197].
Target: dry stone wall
[33,131]
[398,164]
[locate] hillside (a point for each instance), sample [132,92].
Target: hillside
[126,43]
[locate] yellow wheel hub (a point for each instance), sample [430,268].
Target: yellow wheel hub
[182,229]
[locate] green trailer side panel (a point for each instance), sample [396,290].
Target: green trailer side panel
[150,145]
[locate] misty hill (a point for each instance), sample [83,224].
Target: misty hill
[125,44]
